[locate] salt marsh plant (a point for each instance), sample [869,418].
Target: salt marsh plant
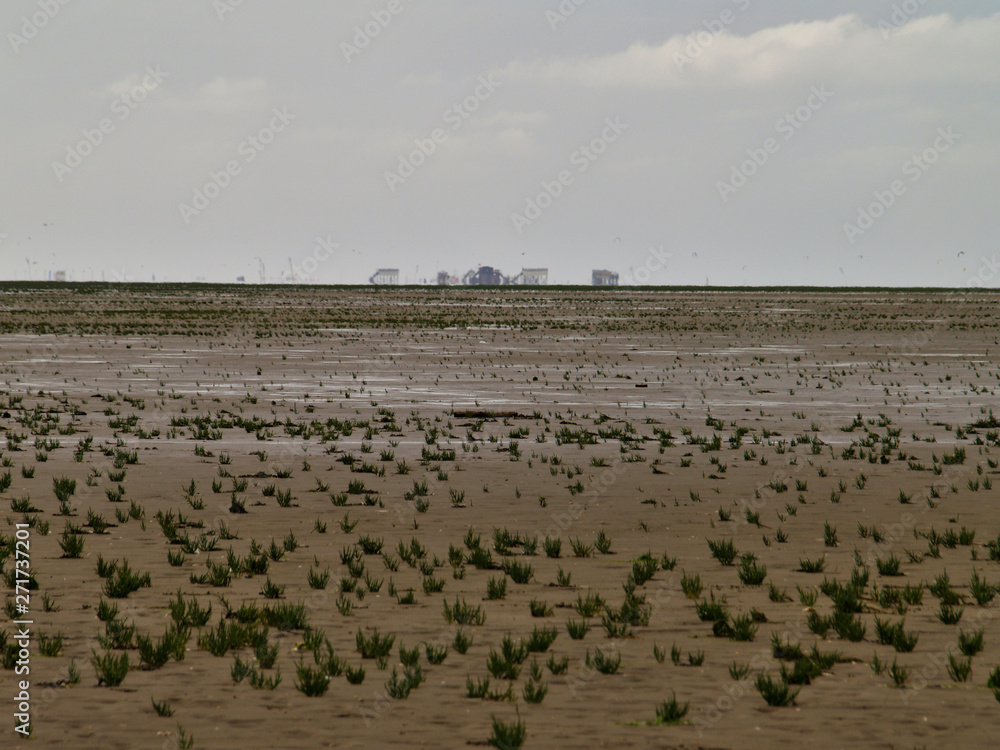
[691,585]
[889,566]
[408,657]
[950,615]
[519,573]
[982,591]
[107,611]
[118,635]
[111,669]
[577,629]
[50,645]
[534,692]
[777,595]
[311,681]
[23,505]
[993,681]
[812,566]
[540,639]
[557,666]
[123,581]
[271,590]
[775,692]
[847,626]
[496,588]
[507,736]
[710,610]
[71,544]
[462,613]
[162,708]
[970,644]
[643,569]
[750,572]
[552,547]
[435,654]
[723,550]
[785,650]
[266,654]
[894,634]
[960,670]
[659,654]
[589,606]
[605,663]
[231,635]
[739,628]
[370,545]
[63,487]
[829,535]
[505,663]
[461,642]
[374,645]
[318,580]
[153,654]
[739,672]
[671,711]
[240,669]
[581,549]
[477,688]
[603,543]
[539,609]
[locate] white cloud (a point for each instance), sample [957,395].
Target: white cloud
[223,94]
[934,48]
[509,119]
[422,80]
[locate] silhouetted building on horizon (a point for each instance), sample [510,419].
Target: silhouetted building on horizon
[532,277]
[604,278]
[385,277]
[485,276]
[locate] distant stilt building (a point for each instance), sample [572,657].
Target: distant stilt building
[385,277]
[485,276]
[532,277]
[604,278]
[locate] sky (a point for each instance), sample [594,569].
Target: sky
[727,142]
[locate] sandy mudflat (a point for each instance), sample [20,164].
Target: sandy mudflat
[548,413]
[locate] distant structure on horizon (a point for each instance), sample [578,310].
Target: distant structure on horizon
[481,276]
[485,276]
[604,278]
[385,277]
[532,277]
[490,276]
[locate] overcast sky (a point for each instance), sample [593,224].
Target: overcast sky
[745,141]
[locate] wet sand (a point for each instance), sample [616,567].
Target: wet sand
[570,413]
